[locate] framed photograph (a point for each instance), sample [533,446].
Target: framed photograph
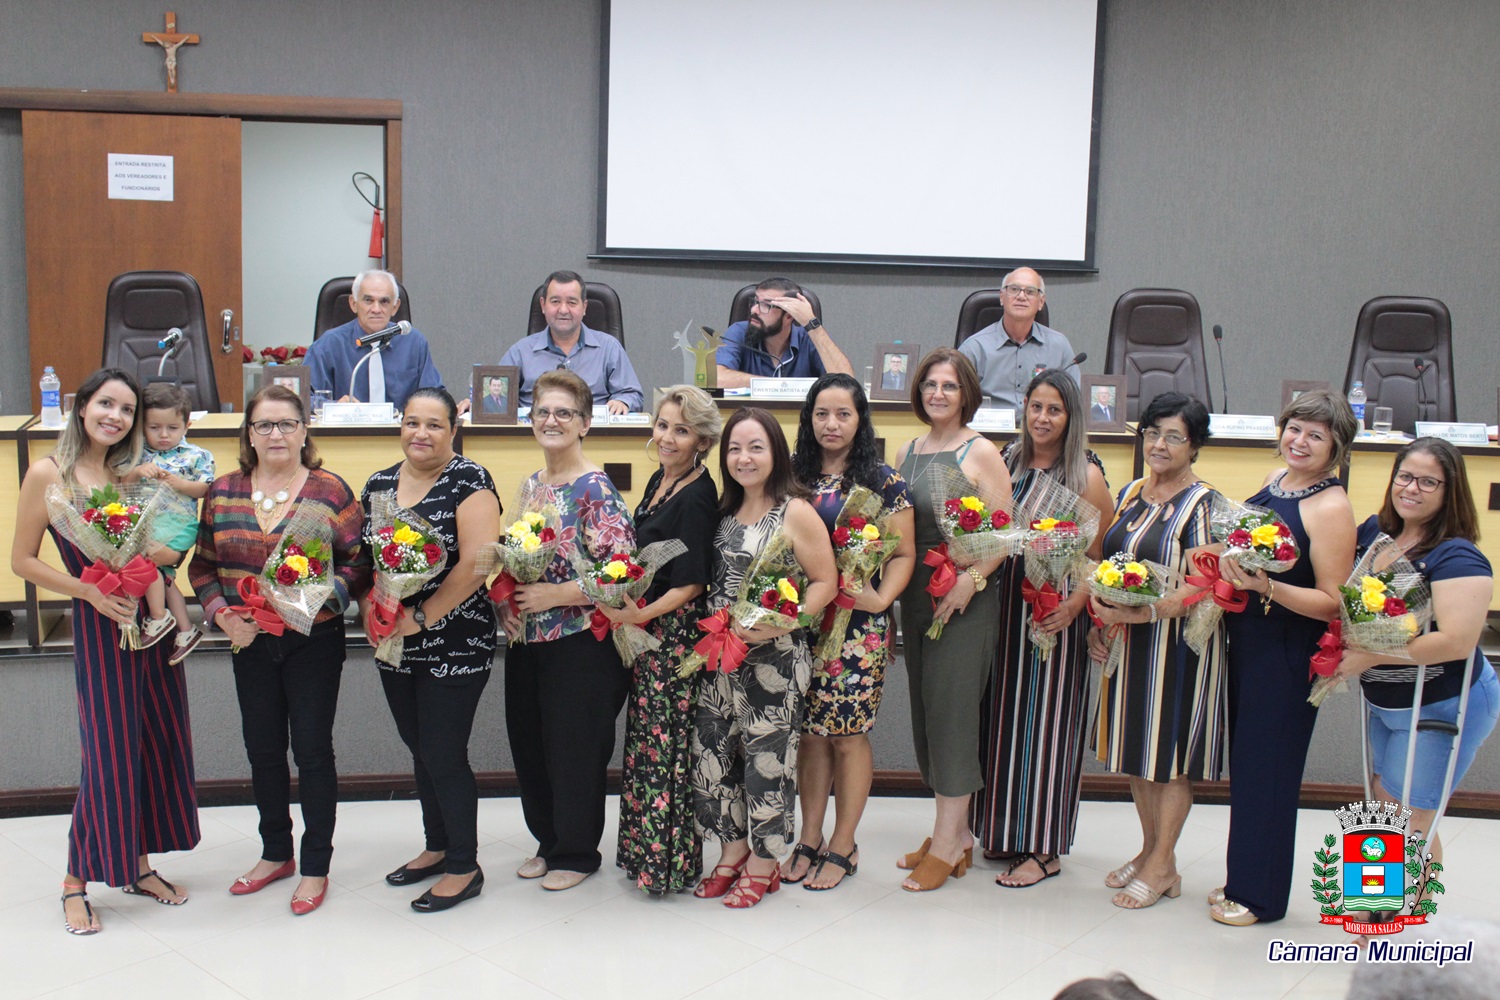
[493,396]
[1104,395]
[890,376]
[1291,389]
[297,378]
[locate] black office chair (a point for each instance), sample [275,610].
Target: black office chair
[603,312]
[981,309]
[333,305]
[1392,334]
[739,307]
[1156,341]
[139,308]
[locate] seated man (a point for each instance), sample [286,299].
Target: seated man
[596,357]
[1009,353]
[781,339]
[403,366]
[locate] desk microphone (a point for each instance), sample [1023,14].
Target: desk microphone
[1078,359]
[172,339]
[1223,378]
[383,337]
[1421,366]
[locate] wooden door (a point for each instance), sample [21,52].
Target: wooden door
[78,238]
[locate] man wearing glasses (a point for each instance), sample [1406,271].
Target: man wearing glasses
[402,367]
[781,339]
[594,356]
[1009,353]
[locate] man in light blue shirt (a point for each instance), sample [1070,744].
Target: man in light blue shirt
[596,357]
[1009,353]
[781,339]
[405,363]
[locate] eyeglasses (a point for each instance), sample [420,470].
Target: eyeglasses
[946,388]
[1174,440]
[540,415]
[1424,483]
[763,305]
[1022,291]
[265,427]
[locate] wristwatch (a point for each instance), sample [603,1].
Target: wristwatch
[419,616]
[979,581]
[813,324]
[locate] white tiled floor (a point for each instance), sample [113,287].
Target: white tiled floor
[969,941]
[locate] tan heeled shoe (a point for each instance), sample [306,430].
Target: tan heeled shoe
[933,871]
[1144,895]
[1121,876]
[910,861]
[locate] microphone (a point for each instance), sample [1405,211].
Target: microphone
[172,339]
[383,337]
[1422,366]
[1078,359]
[1223,378]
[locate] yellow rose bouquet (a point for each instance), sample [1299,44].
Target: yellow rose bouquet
[1125,581]
[862,543]
[1061,527]
[298,578]
[620,578]
[408,553]
[525,549]
[976,525]
[1257,538]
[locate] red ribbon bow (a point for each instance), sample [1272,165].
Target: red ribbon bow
[840,600]
[944,572]
[134,578]
[380,624]
[601,626]
[1223,593]
[1043,600]
[721,649]
[503,591]
[256,608]
[1330,651]
[1111,632]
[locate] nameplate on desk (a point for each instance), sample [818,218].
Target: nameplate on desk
[993,418]
[1453,433]
[1252,426]
[345,414]
[629,420]
[780,388]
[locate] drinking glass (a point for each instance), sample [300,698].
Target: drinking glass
[1383,416]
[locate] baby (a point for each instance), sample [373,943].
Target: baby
[187,471]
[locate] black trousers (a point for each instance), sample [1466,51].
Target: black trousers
[561,700]
[435,718]
[288,688]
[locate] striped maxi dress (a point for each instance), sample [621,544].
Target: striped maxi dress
[1031,723]
[1161,716]
[135,793]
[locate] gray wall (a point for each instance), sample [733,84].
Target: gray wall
[1284,162]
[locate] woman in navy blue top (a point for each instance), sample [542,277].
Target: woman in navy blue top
[1429,511]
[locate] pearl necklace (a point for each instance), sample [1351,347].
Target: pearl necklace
[270,503]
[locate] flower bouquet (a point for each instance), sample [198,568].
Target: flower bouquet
[1383,605]
[771,594]
[862,543]
[976,526]
[617,579]
[1125,581]
[1060,527]
[114,530]
[1254,536]
[408,554]
[523,554]
[298,578]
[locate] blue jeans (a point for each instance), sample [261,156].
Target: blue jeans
[1390,732]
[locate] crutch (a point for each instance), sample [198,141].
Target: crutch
[1451,729]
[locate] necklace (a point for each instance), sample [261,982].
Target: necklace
[935,453]
[270,503]
[1161,490]
[653,507]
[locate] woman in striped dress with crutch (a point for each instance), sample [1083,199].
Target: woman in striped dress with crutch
[135,793]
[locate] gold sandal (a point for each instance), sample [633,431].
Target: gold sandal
[1232,913]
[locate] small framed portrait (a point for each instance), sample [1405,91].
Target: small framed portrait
[297,378]
[1104,396]
[890,376]
[494,394]
[1291,389]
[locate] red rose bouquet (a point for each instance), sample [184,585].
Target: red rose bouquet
[113,528]
[619,578]
[1060,527]
[862,543]
[525,549]
[298,578]
[1254,536]
[976,526]
[408,553]
[1383,605]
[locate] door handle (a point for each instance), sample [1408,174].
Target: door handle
[228,316]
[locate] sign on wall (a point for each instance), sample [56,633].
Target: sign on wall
[138,177]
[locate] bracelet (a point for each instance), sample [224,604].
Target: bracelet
[1154,619]
[1268,596]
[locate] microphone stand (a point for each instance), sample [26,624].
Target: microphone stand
[375,348]
[170,354]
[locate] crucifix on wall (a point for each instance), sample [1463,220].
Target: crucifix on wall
[171,41]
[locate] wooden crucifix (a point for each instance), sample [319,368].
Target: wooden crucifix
[171,41]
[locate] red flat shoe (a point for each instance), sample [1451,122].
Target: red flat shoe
[245,885]
[751,889]
[716,885]
[303,905]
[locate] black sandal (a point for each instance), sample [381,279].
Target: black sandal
[136,889]
[813,856]
[80,894]
[1040,860]
[833,858]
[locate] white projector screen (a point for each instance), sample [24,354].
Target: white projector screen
[942,132]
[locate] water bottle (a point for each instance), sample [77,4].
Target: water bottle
[51,398]
[1357,400]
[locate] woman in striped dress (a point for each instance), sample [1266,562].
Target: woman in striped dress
[135,795]
[1033,715]
[1161,715]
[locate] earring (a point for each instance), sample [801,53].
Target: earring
[655,458]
